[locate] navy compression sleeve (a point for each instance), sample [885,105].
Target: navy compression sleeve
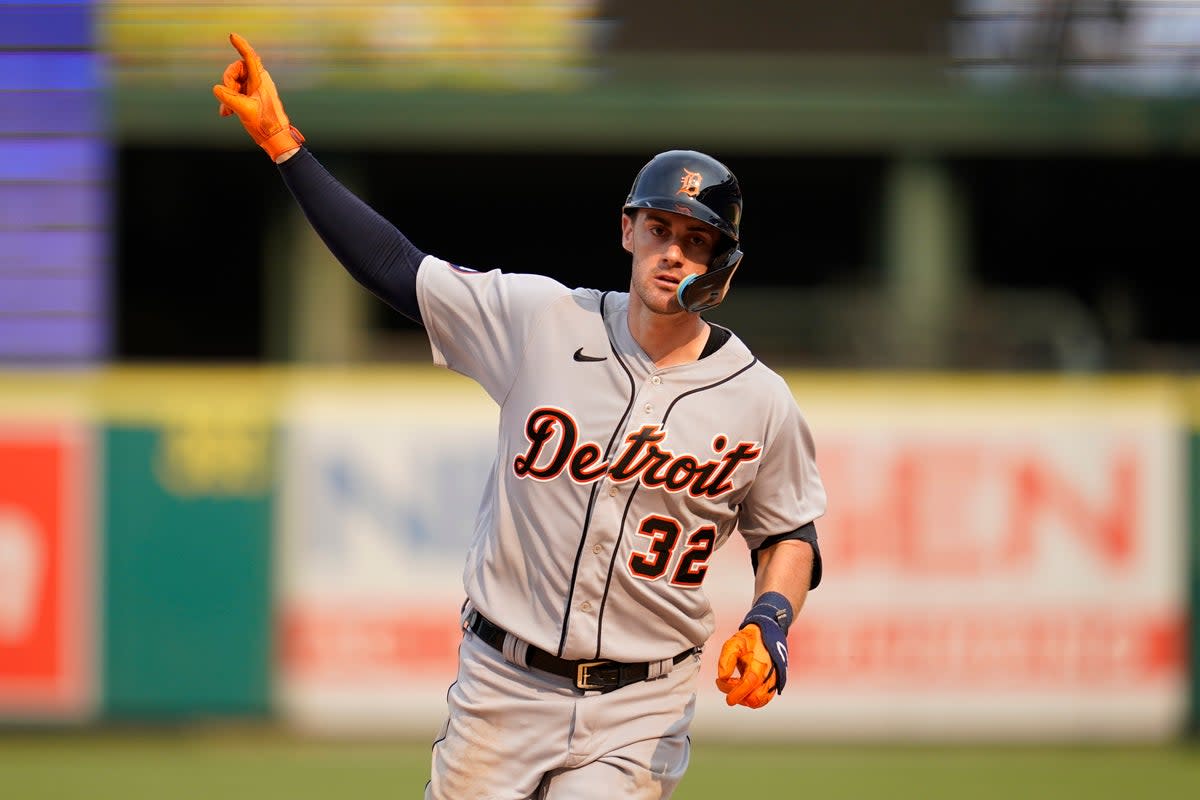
[371,249]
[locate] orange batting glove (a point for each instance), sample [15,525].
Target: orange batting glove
[754,685]
[246,89]
[759,653]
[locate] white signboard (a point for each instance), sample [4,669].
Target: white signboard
[379,490]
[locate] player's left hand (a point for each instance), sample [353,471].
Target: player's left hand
[246,89]
[758,651]
[755,682]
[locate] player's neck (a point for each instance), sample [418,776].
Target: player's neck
[668,339]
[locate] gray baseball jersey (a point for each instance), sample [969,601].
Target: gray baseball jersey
[615,481]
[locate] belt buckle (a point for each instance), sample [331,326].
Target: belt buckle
[582,679]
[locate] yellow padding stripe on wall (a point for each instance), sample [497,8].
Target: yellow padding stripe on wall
[159,393]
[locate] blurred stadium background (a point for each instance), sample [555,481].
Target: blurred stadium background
[235,499]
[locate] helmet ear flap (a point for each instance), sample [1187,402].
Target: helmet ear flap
[698,293]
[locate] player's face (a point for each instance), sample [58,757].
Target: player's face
[666,248]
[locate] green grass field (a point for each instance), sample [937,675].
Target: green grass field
[200,765]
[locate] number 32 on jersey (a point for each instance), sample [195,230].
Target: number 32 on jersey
[664,534]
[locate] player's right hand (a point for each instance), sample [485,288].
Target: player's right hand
[246,89]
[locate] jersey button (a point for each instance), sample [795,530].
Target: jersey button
[585,606]
[648,408]
[597,549]
[612,491]
[656,380]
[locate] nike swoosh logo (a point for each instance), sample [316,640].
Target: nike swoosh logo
[579,356]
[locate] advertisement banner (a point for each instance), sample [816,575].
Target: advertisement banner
[1001,562]
[377,500]
[46,570]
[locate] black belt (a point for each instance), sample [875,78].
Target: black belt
[591,676]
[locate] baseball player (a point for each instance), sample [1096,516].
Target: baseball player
[634,439]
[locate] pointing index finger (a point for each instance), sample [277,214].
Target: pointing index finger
[253,62]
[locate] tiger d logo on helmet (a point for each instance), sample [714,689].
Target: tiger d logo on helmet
[689,184]
[692,183]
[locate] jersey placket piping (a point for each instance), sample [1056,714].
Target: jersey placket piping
[587,517]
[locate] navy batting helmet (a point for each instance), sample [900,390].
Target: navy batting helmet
[695,184]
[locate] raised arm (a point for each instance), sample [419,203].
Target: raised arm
[371,249]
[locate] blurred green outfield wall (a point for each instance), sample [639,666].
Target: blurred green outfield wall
[187,570]
[186,537]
